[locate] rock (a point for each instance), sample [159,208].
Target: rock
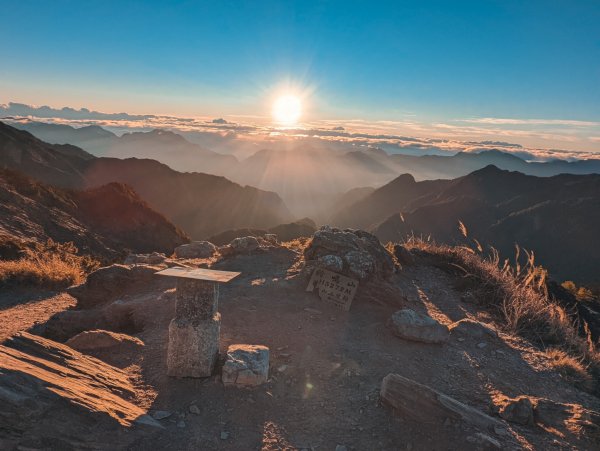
[110,282]
[403,255]
[410,325]
[161,414]
[484,442]
[361,253]
[246,365]
[193,347]
[181,424]
[429,406]
[331,262]
[224,435]
[482,345]
[196,249]
[148,259]
[518,410]
[101,339]
[341,448]
[194,409]
[472,328]
[271,238]
[49,390]
[244,245]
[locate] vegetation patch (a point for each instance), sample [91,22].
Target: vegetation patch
[48,265]
[517,290]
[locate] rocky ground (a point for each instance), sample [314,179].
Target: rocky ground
[326,365]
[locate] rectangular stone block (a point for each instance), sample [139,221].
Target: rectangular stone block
[246,365]
[193,347]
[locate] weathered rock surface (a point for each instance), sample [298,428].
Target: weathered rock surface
[361,253]
[410,325]
[145,259]
[403,255]
[196,249]
[50,394]
[471,328]
[425,404]
[518,410]
[108,283]
[101,339]
[246,365]
[193,347]
[244,244]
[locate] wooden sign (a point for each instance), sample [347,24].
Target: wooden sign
[211,275]
[333,288]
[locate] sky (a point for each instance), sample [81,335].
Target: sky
[526,71]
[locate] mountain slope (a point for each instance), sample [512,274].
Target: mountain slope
[104,221]
[201,204]
[556,217]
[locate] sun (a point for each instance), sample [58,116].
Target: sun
[287,109]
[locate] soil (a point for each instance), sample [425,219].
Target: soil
[327,365]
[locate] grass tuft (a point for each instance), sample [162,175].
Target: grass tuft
[49,265]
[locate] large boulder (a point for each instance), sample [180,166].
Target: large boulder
[244,245]
[196,249]
[410,325]
[361,254]
[90,340]
[108,283]
[246,365]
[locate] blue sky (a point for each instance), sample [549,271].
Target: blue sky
[434,61]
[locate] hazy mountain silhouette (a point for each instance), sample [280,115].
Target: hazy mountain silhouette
[201,204]
[558,217]
[309,175]
[169,148]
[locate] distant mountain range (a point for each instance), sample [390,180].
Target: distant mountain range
[310,178]
[558,217]
[201,204]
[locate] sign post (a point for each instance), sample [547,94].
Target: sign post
[195,331]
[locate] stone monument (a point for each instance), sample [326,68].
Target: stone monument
[194,332]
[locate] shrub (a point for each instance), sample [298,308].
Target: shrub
[49,265]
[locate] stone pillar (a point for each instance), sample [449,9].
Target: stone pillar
[194,332]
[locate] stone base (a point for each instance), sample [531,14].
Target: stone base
[246,365]
[193,347]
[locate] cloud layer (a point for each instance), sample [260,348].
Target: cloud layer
[415,138]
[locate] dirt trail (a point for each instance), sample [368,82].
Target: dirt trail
[22,309]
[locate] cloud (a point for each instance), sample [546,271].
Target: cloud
[395,137]
[21,109]
[554,122]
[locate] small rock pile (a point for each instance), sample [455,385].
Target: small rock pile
[354,253]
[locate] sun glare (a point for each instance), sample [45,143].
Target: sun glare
[287,109]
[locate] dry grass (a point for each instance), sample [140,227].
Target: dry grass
[572,369]
[49,265]
[298,244]
[517,290]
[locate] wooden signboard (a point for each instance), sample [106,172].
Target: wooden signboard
[210,275]
[332,287]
